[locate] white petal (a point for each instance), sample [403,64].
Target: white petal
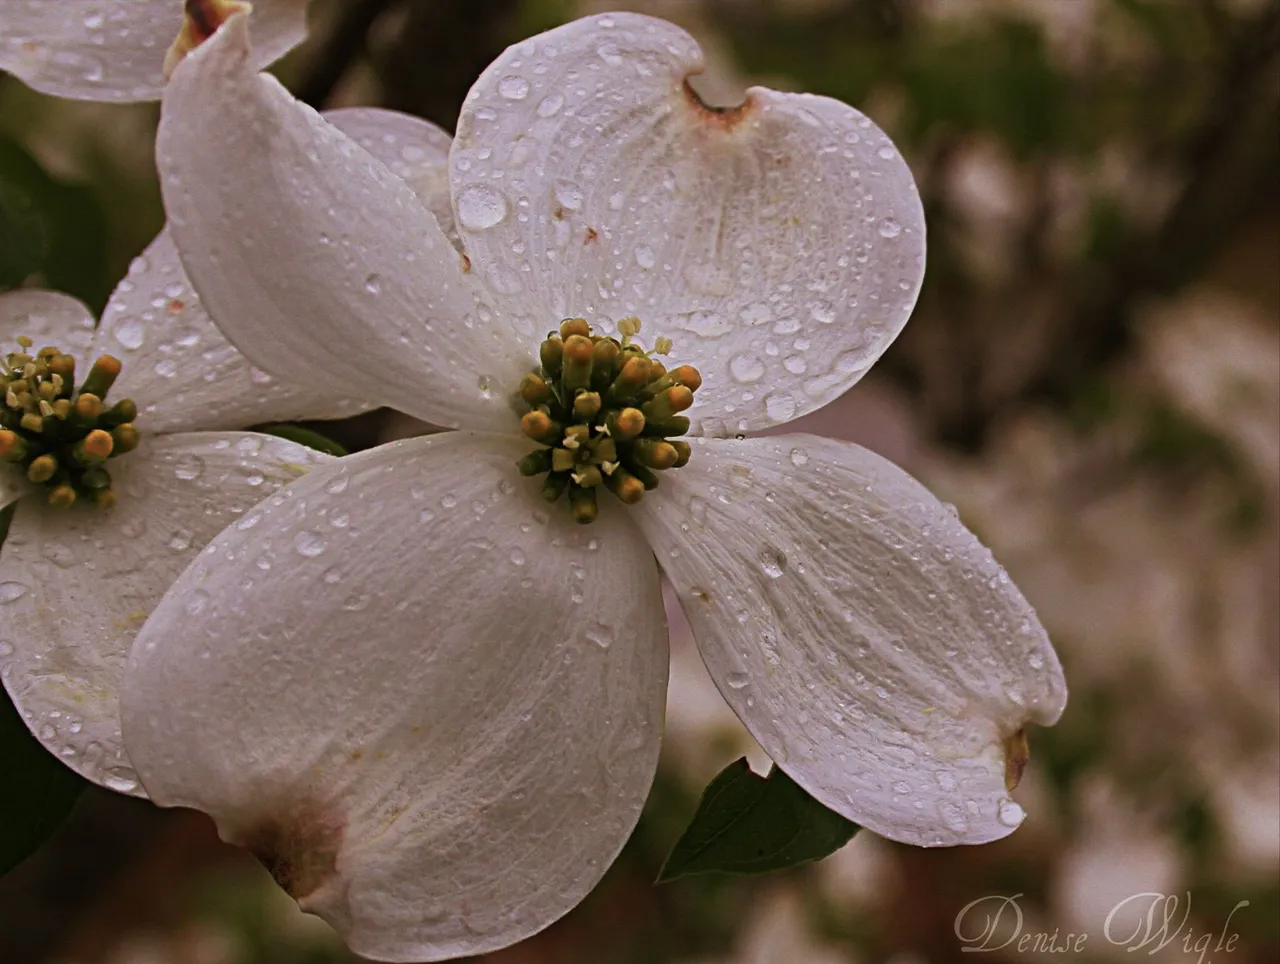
[436,713]
[113,50]
[870,643]
[13,484]
[313,258]
[780,245]
[76,584]
[179,369]
[47,318]
[415,150]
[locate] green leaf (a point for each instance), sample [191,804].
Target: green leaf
[749,824]
[304,436]
[50,229]
[24,240]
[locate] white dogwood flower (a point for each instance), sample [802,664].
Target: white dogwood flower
[430,701]
[121,50]
[111,509]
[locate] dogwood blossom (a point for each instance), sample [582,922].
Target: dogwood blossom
[77,580]
[116,50]
[428,700]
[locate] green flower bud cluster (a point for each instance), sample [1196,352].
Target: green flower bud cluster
[59,435]
[607,413]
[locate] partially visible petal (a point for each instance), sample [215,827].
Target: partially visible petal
[314,259]
[13,484]
[870,643]
[779,244]
[428,703]
[47,318]
[180,370]
[76,584]
[114,50]
[414,149]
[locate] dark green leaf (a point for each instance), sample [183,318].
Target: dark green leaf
[24,241]
[49,229]
[749,824]
[304,436]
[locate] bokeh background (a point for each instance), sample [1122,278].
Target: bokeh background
[1092,377]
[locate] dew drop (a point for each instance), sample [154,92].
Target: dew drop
[799,457]
[773,562]
[889,228]
[780,406]
[120,780]
[746,368]
[513,88]
[823,312]
[308,543]
[480,208]
[601,635]
[738,681]
[644,257]
[373,284]
[130,333]
[189,468]
[568,195]
[12,591]
[550,105]
[1011,815]
[195,602]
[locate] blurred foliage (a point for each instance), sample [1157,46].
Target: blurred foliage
[51,231]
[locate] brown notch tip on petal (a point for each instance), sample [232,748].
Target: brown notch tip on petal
[299,850]
[1016,755]
[724,118]
[200,21]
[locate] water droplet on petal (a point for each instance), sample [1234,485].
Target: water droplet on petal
[12,591]
[309,544]
[773,562]
[480,208]
[738,681]
[130,333]
[513,88]
[550,105]
[889,228]
[780,407]
[799,457]
[1011,815]
[189,468]
[746,368]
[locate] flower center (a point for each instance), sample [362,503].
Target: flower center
[62,436]
[607,413]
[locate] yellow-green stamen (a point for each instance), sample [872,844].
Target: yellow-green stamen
[61,436]
[608,414]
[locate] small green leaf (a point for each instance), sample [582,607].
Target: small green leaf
[304,436]
[749,824]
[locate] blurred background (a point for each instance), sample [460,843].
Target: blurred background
[1092,377]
